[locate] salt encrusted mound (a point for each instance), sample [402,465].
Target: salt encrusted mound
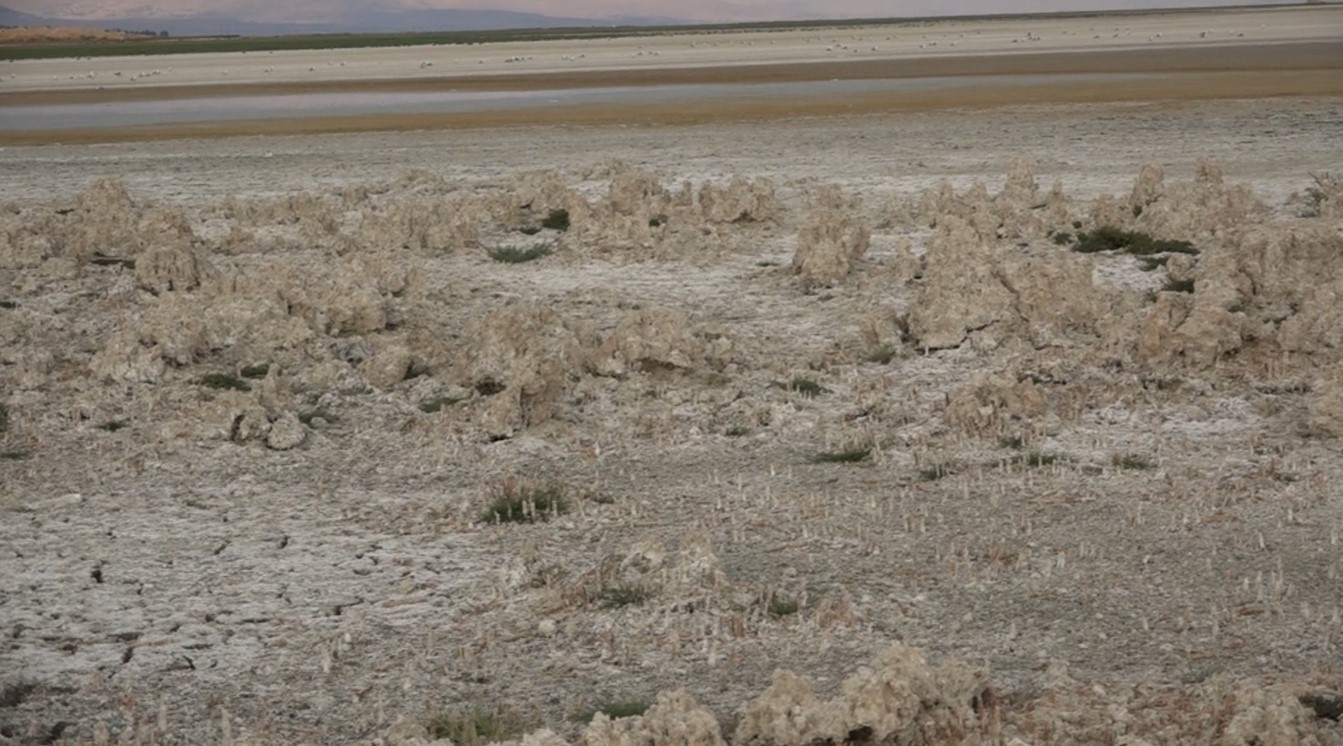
[389,364]
[1202,209]
[898,700]
[1219,712]
[959,292]
[675,719]
[1275,289]
[1326,403]
[832,239]
[103,220]
[522,358]
[421,224]
[1019,211]
[742,200]
[991,401]
[171,268]
[649,339]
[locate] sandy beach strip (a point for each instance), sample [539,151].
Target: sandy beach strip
[1234,58]
[1171,87]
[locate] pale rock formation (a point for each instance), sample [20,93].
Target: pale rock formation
[991,401]
[286,433]
[171,268]
[388,365]
[649,339]
[832,239]
[899,699]
[742,200]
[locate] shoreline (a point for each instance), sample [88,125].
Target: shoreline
[1280,56]
[1175,87]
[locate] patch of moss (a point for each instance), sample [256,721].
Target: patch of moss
[438,404]
[256,371]
[619,596]
[1132,461]
[850,456]
[519,254]
[557,220]
[523,504]
[1109,238]
[114,425]
[224,381]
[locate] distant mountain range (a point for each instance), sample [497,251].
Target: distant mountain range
[208,24]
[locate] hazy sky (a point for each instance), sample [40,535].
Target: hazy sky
[319,10]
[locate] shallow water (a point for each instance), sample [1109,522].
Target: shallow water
[363,103]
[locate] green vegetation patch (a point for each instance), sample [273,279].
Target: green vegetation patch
[620,596]
[256,371]
[782,606]
[4,418]
[1109,238]
[224,382]
[804,386]
[508,254]
[1132,461]
[848,456]
[934,472]
[1036,459]
[114,425]
[439,403]
[477,727]
[100,260]
[522,503]
[13,455]
[557,220]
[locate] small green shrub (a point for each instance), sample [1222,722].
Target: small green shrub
[8,305]
[1109,238]
[308,416]
[614,710]
[619,596]
[1036,459]
[530,230]
[1153,263]
[850,456]
[881,356]
[439,403]
[1178,286]
[519,254]
[782,606]
[657,221]
[1061,238]
[1015,442]
[478,727]
[804,386]
[934,472]
[523,501]
[4,417]
[114,425]
[13,455]
[256,371]
[738,432]
[557,220]
[100,260]
[224,381]
[1132,461]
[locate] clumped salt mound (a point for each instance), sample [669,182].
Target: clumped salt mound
[102,220]
[675,719]
[641,218]
[831,240]
[970,285]
[421,224]
[992,402]
[171,268]
[1019,211]
[281,309]
[898,699]
[1204,208]
[741,200]
[649,339]
[1219,712]
[522,359]
[1277,288]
